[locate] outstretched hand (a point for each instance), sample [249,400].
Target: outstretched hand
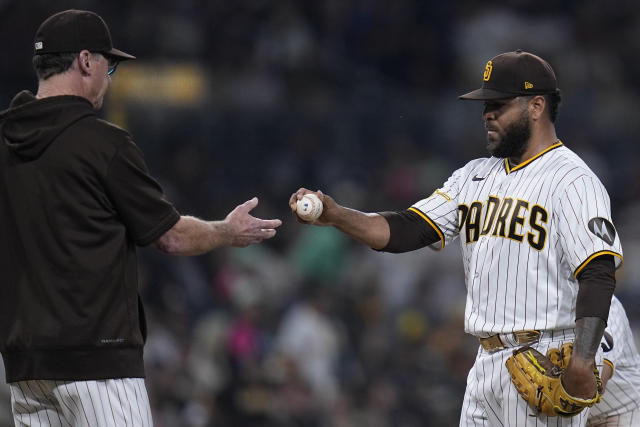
[372,229]
[244,229]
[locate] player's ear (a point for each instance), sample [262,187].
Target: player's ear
[537,105]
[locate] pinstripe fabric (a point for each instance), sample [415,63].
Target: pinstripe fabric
[492,400]
[524,232]
[629,419]
[620,405]
[102,403]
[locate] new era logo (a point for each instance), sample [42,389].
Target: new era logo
[603,229]
[38,45]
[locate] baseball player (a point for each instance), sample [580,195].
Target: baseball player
[620,405]
[76,199]
[539,247]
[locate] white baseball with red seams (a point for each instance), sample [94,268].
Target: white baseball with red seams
[309,208]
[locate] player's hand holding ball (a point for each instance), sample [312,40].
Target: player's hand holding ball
[311,207]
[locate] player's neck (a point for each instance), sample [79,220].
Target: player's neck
[538,142]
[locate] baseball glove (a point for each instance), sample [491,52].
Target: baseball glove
[539,381]
[561,357]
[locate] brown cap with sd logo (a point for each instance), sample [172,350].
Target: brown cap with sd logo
[514,74]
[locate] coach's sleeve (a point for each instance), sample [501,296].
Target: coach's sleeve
[584,223]
[138,197]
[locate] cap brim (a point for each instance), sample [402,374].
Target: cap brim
[484,94]
[120,54]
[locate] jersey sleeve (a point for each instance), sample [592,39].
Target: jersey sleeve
[584,220]
[137,196]
[440,210]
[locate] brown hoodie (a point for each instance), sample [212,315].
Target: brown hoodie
[76,199]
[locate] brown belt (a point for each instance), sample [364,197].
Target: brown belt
[501,341]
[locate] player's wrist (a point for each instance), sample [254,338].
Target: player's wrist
[578,364]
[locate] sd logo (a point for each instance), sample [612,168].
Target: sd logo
[487,71]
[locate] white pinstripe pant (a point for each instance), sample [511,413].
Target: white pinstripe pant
[628,419]
[491,400]
[101,403]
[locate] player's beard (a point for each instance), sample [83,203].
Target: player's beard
[515,139]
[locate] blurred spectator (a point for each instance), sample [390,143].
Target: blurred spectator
[359,97]
[309,345]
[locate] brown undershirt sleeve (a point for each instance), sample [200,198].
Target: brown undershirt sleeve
[408,231]
[597,282]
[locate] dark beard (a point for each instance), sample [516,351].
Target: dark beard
[514,140]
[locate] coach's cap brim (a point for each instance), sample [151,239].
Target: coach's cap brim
[120,54]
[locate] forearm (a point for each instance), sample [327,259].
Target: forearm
[193,236]
[589,331]
[579,380]
[369,228]
[597,283]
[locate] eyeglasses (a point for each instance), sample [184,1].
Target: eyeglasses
[112,63]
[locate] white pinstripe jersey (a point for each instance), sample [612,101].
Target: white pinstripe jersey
[525,232]
[623,389]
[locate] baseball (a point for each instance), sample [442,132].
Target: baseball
[309,208]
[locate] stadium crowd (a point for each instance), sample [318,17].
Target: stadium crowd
[357,98]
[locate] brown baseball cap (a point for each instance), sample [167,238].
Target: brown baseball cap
[74,30]
[514,74]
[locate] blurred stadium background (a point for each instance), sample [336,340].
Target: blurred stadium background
[242,98]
